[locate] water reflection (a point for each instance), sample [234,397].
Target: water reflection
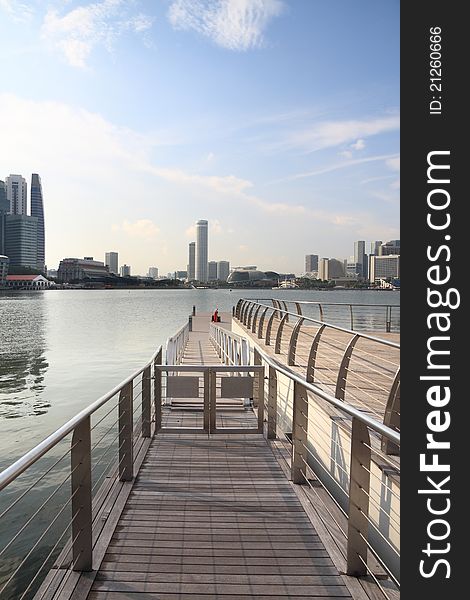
[23,364]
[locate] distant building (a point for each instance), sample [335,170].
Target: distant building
[125,271]
[374,247]
[243,277]
[4,262]
[353,269]
[392,247]
[212,270]
[384,267]
[202,250]
[153,272]
[330,268]
[192,261]
[311,263]
[111,260]
[223,270]
[77,269]
[4,210]
[28,282]
[17,194]
[360,257]
[21,240]
[52,273]
[181,274]
[37,210]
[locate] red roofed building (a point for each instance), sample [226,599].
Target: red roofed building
[28,282]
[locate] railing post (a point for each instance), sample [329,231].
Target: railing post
[286,309]
[277,346]
[352,317]
[299,434]
[388,319]
[298,308]
[272,403]
[194,311]
[359,490]
[392,416]
[255,319]
[256,392]
[146,402]
[258,396]
[340,392]
[261,323]
[267,341]
[293,342]
[211,381]
[157,391]
[126,459]
[82,549]
[250,314]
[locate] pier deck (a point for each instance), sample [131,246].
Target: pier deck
[207,517]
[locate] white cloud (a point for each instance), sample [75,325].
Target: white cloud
[329,134]
[393,163]
[18,11]
[78,32]
[233,24]
[143,228]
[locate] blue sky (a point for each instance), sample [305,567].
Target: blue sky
[277,120]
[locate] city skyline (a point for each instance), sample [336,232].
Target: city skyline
[240,119]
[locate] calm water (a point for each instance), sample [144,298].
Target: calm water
[60,350]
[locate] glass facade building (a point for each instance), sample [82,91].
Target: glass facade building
[21,240]
[37,210]
[202,250]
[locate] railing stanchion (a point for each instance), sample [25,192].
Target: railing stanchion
[340,392]
[146,403]
[256,391]
[157,391]
[272,403]
[82,549]
[125,424]
[277,345]
[359,490]
[299,434]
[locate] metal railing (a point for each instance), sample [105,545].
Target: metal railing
[355,367]
[339,446]
[45,523]
[176,345]
[356,316]
[232,349]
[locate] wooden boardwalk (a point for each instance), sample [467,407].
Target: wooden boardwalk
[214,517]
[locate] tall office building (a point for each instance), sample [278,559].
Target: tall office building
[212,270]
[392,247]
[153,272]
[360,257]
[125,271]
[17,194]
[192,261]
[311,263]
[37,210]
[202,250]
[384,267]
[374,247]
[223,270]
[111,260]
[21,240]
[4,210]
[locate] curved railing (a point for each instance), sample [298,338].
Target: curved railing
[340,447]
[43,522]
[355,367]
[356,316]
[176,345]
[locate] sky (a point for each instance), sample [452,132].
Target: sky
[275,120]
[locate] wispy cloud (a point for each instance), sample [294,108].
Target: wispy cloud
[233,24]
[393,163]
[143,228]
[18,11]
[78,32]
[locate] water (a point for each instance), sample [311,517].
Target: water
[59,351]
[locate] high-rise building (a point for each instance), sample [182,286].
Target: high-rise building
[21,240]
[360,257]
[17,194]
[202,249]
[125,271]
[4,261]
[192,261]
[374,247]
[4,210]
[330,268]
[37,210]
[311,263]
[212,270]
[223,270]
[153,272]
[384,267]
[392,247]
[111,260]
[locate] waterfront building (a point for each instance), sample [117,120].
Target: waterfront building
[330,268]
[17,194]
[360,257]
[52,273]
[4,210]
[192,261]
[384,267]
[223,270]
[202,249]
[242,277]
[21,240]
[153,272]
[37,210]
[111,260]
[125,271]
[77,269]
[4,262]
[311,263]
[181,275]
[374,247]
[392,247]
[352,268]
[28,282]
[212,270]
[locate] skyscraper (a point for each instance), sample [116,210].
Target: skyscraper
[21,240]
[17,194]
[311,263]
[201,250]
[212,270]
[192,261]
[111,260]
[4,210]
[153,272]
[37,210]
[360,257]
[223,270]
[125,271]
[374,247]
